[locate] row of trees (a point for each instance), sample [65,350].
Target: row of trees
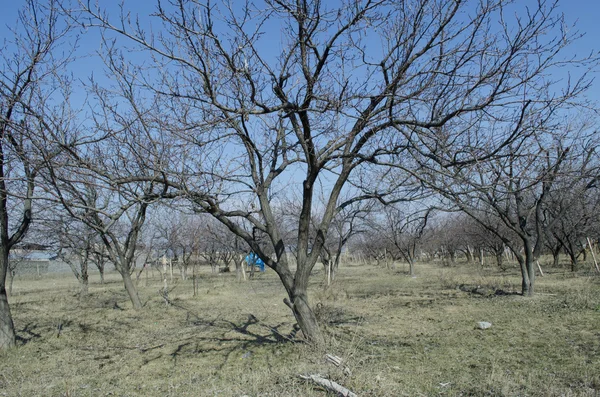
[277,118]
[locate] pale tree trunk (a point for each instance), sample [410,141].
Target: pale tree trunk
[527,264]
[12,273]
[531,276]
[130,288]
[7,328]
[194,279]
[85,277]
[469,254]
[84,280]
[84,287]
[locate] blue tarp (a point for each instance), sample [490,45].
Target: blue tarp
[253,260]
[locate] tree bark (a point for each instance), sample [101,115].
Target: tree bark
[305,317]
[531,276]
[555,258]
[525,284]
[11,274]
[411,267]
[131,291]
[7,328]
[85,279]
[499,251]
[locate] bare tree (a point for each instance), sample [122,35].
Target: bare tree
[86,180]
[349,222]
[350,86]
[75,246]
[403,227]
[31,83]
[573,208]
[510,195]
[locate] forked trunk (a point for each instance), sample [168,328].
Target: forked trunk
[7,328]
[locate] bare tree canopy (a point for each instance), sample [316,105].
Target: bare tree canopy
[284,120]
[313,99]
[32,86]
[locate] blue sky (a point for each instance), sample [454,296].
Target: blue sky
[583,13]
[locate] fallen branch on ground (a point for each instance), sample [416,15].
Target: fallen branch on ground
[337,361]
[329,385]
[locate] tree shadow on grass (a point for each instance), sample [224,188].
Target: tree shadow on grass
[29,331]
[227,338]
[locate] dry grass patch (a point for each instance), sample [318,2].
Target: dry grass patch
[398,335]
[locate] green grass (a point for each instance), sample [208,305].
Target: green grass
[398,336]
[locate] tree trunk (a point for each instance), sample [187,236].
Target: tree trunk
[84,281]
[101,271]
[531,273]
[411,267]
[336,265]
[469,254]
[296,287]
[524,275]
[527,269]
[84,288]
[574,262]
[131,291]
[12,274]
[7,328]
[555,258]
[500,257]
[305,316]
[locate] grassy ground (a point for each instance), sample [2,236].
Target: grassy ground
[398,336]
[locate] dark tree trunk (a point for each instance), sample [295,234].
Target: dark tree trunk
[7,328]
[307,321]
[555,258]
[305,316]
[500,257]
[525,284]
[574,262]
[296,287]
